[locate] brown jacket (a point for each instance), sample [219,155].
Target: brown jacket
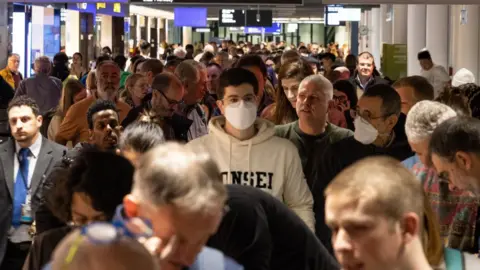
[74,126]
[8,77]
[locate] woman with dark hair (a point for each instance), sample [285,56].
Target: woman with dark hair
[76,68]
[89,190]
[344,99]
[351,63]
[207,58]
[60,66]
[290,76]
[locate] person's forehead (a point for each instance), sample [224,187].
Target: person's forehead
[405,90]
[109,68]
[239,90]
[370,103]
[339,209]
[14,57]
[102,115]
[339,93]
[440,163]
[364,59]
[20,111]
[309,88]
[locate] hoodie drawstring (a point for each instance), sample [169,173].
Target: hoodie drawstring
[249,159]
[229,175]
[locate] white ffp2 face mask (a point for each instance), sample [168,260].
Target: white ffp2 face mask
[365,133]
[241,115]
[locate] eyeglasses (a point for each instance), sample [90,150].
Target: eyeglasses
[170,101]
[356,112]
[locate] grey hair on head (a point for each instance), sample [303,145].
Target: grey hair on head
[424,117]
[321,83]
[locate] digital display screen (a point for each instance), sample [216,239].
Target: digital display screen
[191,17]
[231,18]
[245,2]
[263,18]
[276,28]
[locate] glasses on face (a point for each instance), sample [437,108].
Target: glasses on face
[340,99]
[170,101]
[365,115]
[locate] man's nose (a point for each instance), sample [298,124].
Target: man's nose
[341,242]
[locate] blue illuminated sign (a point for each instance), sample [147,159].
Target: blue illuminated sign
[105,8]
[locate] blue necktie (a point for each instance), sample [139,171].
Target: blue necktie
[21,186]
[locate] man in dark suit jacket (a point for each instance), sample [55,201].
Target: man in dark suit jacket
[25,162]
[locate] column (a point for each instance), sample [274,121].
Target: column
[106,31]
[72,36]
[416,36]
[468,34]
[3,33]
[363,38]
[437,33]
[385,25]
[187,35]
[400,24]
[354,38]
[374,36]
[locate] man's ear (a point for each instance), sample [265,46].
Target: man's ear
[90,135]
[130,206]
[464,160]
[410,227]
[40,120]
[392,121]
[221,106]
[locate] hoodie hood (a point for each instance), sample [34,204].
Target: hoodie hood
[266,130]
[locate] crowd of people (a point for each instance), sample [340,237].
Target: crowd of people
[238,156]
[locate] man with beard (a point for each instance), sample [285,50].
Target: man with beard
[455,152]
[75,126]
[103,134]
[25,161]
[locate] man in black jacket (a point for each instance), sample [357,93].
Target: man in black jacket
[261,233]
[366,74]
[379,130]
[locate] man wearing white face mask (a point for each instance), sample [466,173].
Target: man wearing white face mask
[379,130]
[247,151]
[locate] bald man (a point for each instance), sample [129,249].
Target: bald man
[74,127]
[43,88]
[77,252]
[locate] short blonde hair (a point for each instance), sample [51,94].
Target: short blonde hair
[172,174]
[381,186]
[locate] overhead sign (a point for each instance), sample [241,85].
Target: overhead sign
[410,2]
[104,8]
[221,2]
[231,17]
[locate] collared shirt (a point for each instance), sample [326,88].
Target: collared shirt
[21,234]
[33,157]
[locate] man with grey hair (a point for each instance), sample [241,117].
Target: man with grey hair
[194,79]
[422,120]
[455,208]
[74,126]
[43,88]
[311,134]
[174,188]
[11,73]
